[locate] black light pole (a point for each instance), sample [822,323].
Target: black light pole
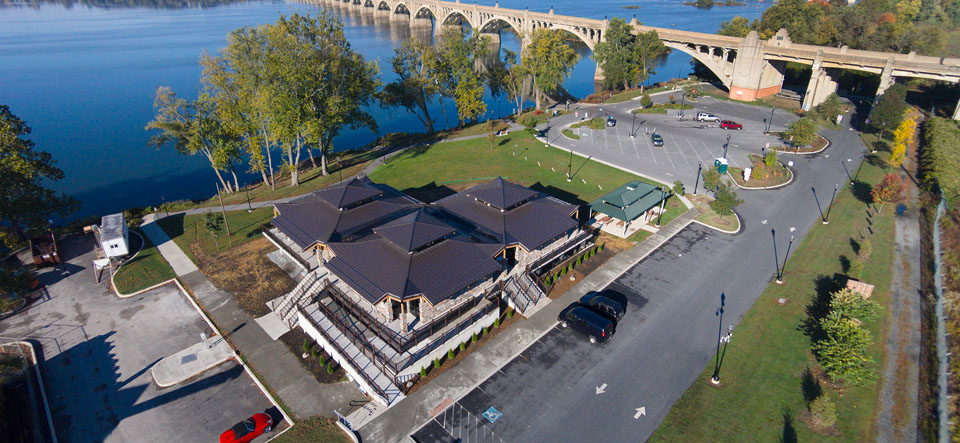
[682,96]
[697,182]
[663,204]
[715,379]
[725,145]
[776,256]
[726,341]
[770,123]
[826,220]
[784,267]
[247,191]
[570,166]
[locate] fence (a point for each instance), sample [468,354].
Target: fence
[943,397]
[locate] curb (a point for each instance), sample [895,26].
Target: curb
[43,391]
[15,311]
[761,188]
[807,153]
[740,228]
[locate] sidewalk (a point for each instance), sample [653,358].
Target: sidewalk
[396,423]
[299,391]
[191,362]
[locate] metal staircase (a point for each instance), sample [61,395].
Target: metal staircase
[286,309]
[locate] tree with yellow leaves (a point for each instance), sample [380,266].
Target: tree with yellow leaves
[902,136]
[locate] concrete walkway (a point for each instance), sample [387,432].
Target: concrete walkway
[276,365]
[396,423]
[897,419]
[191,362]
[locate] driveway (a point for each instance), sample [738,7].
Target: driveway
[669,334]
[686,145]
[98,350]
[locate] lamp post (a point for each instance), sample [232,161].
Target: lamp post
[570,164]
[726,341]
[770,123]
[682,96]
[826,219]
[697,182]
[725,145]
[246,190]
[340,169]
[784,267]
[715,379]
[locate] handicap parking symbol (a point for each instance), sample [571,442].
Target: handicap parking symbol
[492,414]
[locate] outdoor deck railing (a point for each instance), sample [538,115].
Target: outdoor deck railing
[550,254]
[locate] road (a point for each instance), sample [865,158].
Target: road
[669,334]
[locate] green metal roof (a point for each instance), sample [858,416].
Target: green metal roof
[629,201]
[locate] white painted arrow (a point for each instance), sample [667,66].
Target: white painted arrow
[640,411]
[600,389]
[763,222]
[792,228]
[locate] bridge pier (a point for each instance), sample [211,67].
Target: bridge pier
[956,111]
[598,75]
[886,79]
[821,85]
[753,76]
[421,22]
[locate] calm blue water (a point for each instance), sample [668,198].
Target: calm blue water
[84,79]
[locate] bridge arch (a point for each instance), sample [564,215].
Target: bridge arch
[705,58]
[383,6]
[401,8]
[425,12]
[460,18]
[495,23]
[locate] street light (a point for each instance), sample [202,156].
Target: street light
[246,190]
[663,204]
[784,267]
[770,124]
[570,164]
[715,379]
[697,182]
[826,219]
[725,145]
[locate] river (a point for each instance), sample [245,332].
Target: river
[84,77]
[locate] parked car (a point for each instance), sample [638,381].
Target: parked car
[601,303]
[730,124]
[249,429]
[611,121]
[587,322]
[706,117]
[656,139]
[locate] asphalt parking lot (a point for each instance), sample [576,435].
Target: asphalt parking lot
[686,143]
[98,350]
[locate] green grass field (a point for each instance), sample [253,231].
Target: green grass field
[435,171]
[569,134]
[145,270]
[313,429]
[762,398]
[244,226]
[631,94]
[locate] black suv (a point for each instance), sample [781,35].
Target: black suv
[603,304]
[657,139]
[582,319]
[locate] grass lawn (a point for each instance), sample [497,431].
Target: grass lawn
[569,134]
[594,123]
[245,226]
[639,236]
[763,393]
[145,270]
[631,94]
[673,209]
[650,110]
[710,217]
[435,171]
[477,129]
[313,429]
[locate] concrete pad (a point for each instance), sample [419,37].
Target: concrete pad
[272,325]
[191,362]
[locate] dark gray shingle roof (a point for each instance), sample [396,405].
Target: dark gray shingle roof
[500,193]
[414,230]
[342,195]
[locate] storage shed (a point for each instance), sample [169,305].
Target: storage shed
[114,237]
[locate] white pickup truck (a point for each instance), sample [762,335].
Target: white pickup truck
[705,117]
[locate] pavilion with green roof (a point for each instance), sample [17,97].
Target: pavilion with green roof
[635,201]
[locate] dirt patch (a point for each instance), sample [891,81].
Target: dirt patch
[317,360]
[247,273]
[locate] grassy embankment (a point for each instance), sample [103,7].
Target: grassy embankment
[148,268]
[766,386]
[183,229]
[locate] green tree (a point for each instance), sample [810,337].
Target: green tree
[888,112]
[615,54]
[646,101]
[213,223]
[711,178]
[823,412]
[549,61]
[458,55]
[416,85]
[736,27]
[940,158]
[843,349]
[514,78]
[726,200]
[770,159]
[193,128]
[801,132]
[830,108]
[25,203]
[851,304]
[648,52]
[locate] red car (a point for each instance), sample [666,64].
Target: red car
[730,124]
[248,429]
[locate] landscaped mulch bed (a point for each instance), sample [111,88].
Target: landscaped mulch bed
[612,245]
[762,175]
[294,341]
[818,144]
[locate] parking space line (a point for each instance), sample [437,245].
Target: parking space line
[699,158]
[674,143]
[619,139]
[654,157]
[635,150]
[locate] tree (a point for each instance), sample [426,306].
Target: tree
[458,54]
[902,136]
[770,159]
[736,27]
[492,135]
[829,109]
[646,101]
[416,85]
[823,412]
[25,203]
[940,159]
[615,54]
[802,131]
[851,304]
[514,78]
[890,190]
[843,349]
[192,128]
[213,223]
[648,50]
[549,61]
[726,200]
[711,178]
[888,112]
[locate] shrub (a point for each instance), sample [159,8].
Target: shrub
[646,101]
[306,345]
[600,247]
[436,363]
[556,276]
[450,354]
[851,304]
[856,269]
[579,260]
[313,352]
[485,331]
[823,412]
[496,323]
[678,188]
[330,367]
[463,346]
[423,371]
[866,248]
[474,338]
[570,267]
[843,349]
[672,98]
[546,281]
[321,359]
[563,272]
[770,159]
[509,313]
